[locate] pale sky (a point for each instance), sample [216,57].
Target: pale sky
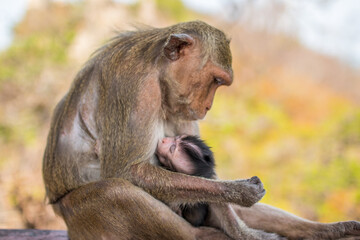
[11,11]
[328,26]
[331,27]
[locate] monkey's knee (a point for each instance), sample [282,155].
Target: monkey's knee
[115,206]
[98,209]
[100,200]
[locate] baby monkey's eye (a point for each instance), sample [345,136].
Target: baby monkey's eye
[172,148]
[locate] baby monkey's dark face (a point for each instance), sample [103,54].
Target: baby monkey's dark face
[186,154]
[171,155]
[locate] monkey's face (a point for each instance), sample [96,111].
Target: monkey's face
[201,86]
[197,80]
[172,157]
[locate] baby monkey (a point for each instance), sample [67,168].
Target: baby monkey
[190,155]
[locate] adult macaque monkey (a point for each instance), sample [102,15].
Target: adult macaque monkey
[99,167]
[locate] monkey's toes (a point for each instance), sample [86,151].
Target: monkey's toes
[352,228]
[260,187]
[255,180]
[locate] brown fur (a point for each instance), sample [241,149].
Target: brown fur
[99,167]
[220,216]
[141,86]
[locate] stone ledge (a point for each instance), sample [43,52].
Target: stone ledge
[32,234]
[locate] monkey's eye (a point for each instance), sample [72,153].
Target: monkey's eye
[218,81]
[172,148]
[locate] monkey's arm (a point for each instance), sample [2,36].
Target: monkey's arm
[271,219]
[175,187]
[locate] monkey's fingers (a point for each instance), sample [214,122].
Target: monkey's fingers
[248,192]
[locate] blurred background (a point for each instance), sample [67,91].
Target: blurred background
[292,116]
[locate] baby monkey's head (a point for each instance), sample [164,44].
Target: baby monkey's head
[186,154]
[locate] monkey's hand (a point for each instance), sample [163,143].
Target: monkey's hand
[245,192]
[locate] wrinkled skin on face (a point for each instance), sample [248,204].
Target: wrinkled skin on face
[197,82]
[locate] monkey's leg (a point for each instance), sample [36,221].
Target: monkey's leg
[271,219]
[116,209]
[174,187]
[223,216]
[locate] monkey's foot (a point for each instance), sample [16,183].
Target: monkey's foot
[246,192]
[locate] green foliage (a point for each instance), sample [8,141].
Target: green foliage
[349,129]
[39,50]
[304,147]
[5,133]
[174,9]
[304,166]
[32,51]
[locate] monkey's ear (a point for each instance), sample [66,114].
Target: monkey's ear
[176,43]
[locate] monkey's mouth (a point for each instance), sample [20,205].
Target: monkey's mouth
[169,167]
[166,167]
